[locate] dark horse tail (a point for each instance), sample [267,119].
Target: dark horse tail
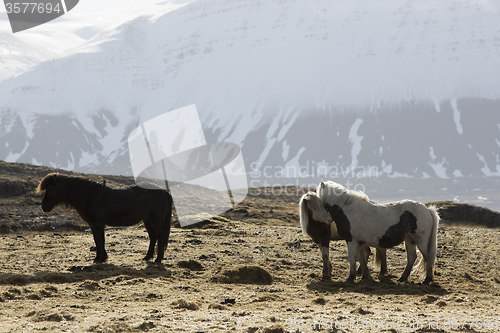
[168,219]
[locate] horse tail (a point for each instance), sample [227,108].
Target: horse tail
[168,219]
[426,264]
[304,218]
[432,245]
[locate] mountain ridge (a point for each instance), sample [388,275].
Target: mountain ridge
[291,82]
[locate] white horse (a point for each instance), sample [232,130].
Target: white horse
[312,215]
[362,222]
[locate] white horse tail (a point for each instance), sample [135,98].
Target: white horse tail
[426,264]
[432,245]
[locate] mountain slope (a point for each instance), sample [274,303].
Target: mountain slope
[402,87]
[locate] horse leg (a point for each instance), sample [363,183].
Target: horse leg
[427,263]
[364,253]
[161,247]
[152,241]
[327,266]
[159,230]
[411,256]
[429,273]
[98,233]
[164,236]
[381,259]
[352,250]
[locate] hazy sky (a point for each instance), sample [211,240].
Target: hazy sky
[104,5]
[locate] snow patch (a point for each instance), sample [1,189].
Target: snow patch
[456,116]
[71,163]
[294,165]
[438,167]
[355,139]
[486,170]
[399,175]
[433,156]
[286,127]
[386,168]
[322,168]
[269,145]
[437,106]
[285,150]
[425,175]
[87,159]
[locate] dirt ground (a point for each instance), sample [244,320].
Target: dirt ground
[250,270]
[240,277]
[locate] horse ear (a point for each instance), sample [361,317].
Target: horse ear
[322,184]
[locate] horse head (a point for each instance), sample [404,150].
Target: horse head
[334,193]
[48,184]
[315,206]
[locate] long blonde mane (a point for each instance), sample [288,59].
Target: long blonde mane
[304,219]
[336,194]
[316,205]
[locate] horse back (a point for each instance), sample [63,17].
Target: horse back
[387,225]
[129,206]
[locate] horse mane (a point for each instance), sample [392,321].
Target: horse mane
[46,181]
[336,194]
[73,191]
[304,219]
[312,198]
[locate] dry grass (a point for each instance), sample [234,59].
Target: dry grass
[261,285]
[251,270]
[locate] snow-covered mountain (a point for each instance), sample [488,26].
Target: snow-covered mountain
[408,88]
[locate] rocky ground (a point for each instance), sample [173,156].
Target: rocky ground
[249,270]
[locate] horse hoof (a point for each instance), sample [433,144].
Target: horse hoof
[327,278]
[427,281]
[146,258]
[402,279]
[99,260]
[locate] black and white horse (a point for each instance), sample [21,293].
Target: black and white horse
[311,221]
[362,222]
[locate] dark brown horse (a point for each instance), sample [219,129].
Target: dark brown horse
[100,205]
